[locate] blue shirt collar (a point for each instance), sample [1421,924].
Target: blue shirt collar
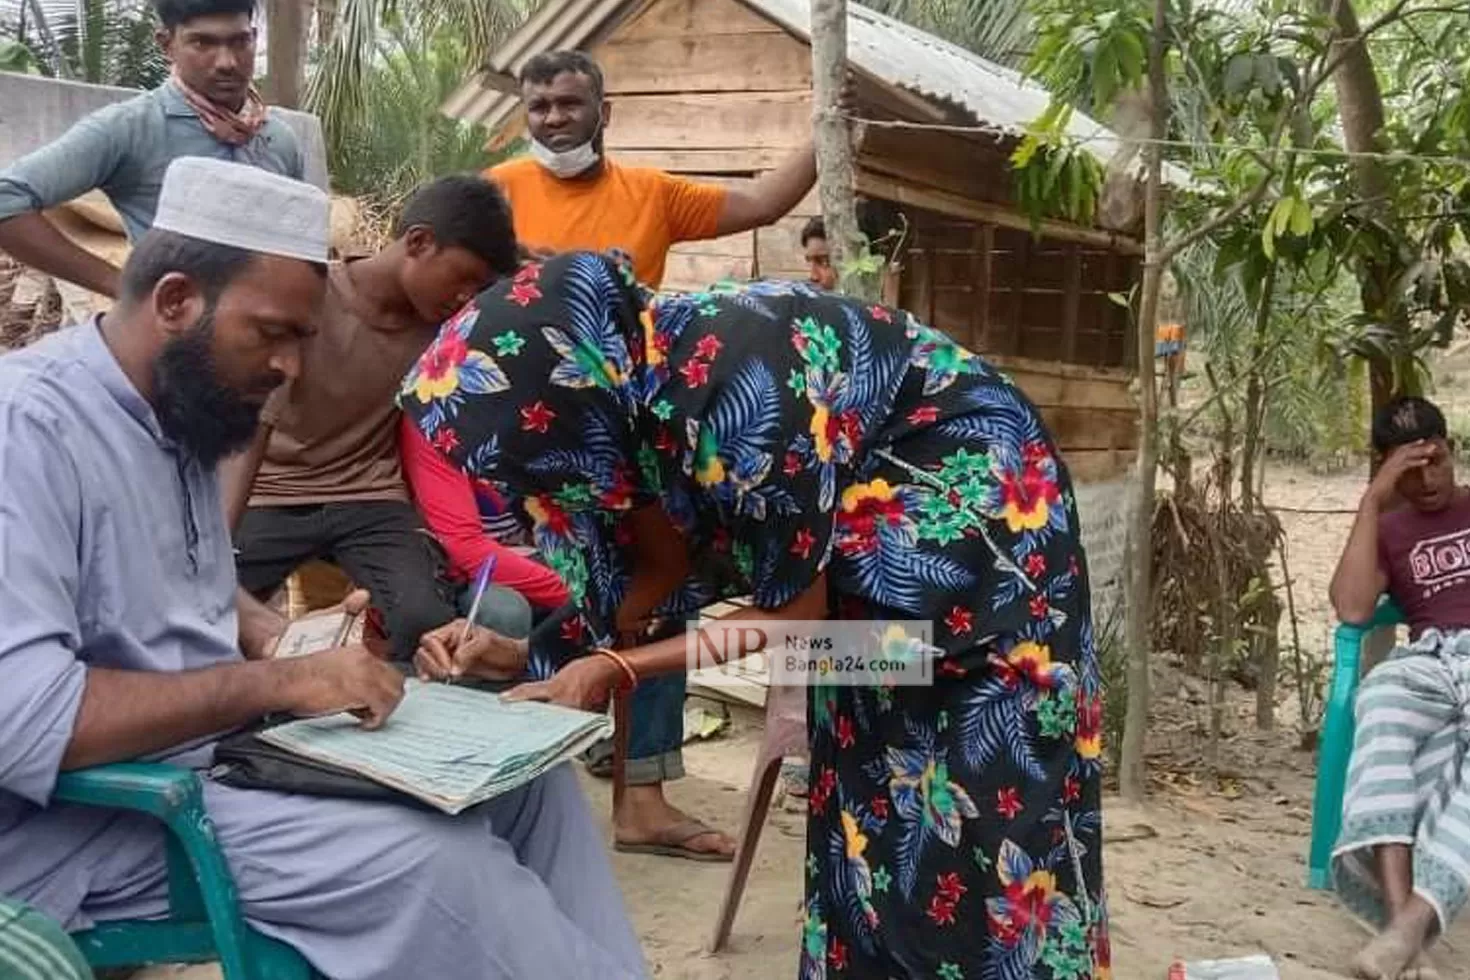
[98,358]
[174,103]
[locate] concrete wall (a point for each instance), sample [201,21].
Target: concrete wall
[34,111]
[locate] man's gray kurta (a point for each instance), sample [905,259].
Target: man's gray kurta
[114,553]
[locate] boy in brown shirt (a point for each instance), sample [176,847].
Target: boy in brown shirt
[323,477]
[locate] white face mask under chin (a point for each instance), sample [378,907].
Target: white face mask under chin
[568,163]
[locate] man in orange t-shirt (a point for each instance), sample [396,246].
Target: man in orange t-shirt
[568,195]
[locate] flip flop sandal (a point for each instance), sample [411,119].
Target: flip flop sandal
[599,768]
[671,843]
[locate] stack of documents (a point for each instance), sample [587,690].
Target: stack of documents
[451,747]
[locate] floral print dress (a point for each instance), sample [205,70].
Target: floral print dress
[954,830]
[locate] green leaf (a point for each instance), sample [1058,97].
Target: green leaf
[1290,73]
[1022,155]
[16,57]
[1075,191]
[1105,82]
[1301,218]
[1268,74]
[1131,57]
[1240,71]
[1120,299]
[1281,216]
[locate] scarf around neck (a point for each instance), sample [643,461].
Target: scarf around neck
[232,128]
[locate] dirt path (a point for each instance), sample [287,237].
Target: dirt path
[1194,874]
[1202,871]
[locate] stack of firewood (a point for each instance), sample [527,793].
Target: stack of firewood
[30,306]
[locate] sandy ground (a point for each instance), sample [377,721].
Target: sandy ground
[1204,870]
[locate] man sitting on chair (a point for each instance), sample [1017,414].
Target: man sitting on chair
[1402,860]
[123,636]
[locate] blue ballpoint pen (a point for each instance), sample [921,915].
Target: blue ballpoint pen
[482,582]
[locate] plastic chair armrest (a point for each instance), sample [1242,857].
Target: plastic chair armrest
[164,791]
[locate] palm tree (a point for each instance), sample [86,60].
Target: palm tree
[107,42]
[337,90]
[410,75]
[997,30]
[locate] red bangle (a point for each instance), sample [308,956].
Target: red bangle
[622,662]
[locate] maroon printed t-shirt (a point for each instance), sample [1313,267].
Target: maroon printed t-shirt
[1426,558]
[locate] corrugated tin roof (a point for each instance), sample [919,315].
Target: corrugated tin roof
[887,49]
[930,66]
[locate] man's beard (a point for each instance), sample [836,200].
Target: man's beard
[194,407]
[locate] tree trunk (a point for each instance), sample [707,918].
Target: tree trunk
[1253,443]
[1223,646]
[287,24]
[1360,111]
[1132,774]
[835,174]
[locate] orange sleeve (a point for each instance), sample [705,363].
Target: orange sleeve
[693,208]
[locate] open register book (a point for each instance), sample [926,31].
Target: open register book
[449,746]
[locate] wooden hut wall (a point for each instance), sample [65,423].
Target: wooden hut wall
[1040,309]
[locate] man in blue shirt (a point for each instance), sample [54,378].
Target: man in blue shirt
[122,636]
[206,108]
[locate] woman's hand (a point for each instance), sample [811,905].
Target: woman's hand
[484,653]
[585,683]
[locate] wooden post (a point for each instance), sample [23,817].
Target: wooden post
[833,142]
[1138,625]
[1071,302]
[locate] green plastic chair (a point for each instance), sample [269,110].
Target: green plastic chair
[204,924]
[1335,748]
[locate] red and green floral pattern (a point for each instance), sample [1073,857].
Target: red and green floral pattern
[954,829]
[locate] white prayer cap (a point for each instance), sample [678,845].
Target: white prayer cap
[237,204]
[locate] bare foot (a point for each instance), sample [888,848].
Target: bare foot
[1394,953]
[648,823]
[1385,957]
[1419,970]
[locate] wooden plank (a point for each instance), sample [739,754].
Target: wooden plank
[1097,465]
[696,272]
[707,63]
[780,243]
[980,275]
[1091,428]
[1049,392]
[975,168]
[711,120]
[680,18]
[1068,372]
[900,192]
[922,267]
[696,163]
[741,246]
[1014,339]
